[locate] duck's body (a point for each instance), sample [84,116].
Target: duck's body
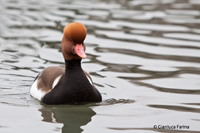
[69,84]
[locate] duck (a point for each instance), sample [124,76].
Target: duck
[68,84]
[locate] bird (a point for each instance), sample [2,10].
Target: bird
[68,84]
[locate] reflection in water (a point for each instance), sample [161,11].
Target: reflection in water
[72,117]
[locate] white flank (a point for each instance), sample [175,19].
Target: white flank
[35,92]
[56,81]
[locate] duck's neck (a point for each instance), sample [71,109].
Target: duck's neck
[73,64]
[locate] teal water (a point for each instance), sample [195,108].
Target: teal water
[143,56]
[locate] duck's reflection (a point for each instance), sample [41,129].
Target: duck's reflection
[72,117]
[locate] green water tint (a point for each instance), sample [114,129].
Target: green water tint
[143,57]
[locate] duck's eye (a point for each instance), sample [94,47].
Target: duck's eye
[71,40]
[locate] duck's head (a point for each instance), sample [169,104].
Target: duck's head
[73,41]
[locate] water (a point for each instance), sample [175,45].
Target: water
[144,57]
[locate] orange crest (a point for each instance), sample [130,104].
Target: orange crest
[75,31]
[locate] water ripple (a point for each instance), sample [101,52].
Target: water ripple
[143,56]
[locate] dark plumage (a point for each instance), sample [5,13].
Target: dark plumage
[69,84]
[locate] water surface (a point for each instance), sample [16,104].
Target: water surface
[143,56]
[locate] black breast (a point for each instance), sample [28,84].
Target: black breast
[73,88]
